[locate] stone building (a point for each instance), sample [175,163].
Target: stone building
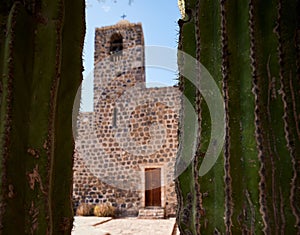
[126,148]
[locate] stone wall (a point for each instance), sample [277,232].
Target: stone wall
[110,160]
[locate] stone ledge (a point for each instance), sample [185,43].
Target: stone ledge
[151,213]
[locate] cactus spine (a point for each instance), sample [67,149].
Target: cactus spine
[41,47]
[251,48]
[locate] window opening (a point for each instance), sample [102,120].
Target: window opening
[116,45]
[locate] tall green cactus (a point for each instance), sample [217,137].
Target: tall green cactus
[40,65]
[252,50]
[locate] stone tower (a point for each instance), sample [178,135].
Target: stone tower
[118,59]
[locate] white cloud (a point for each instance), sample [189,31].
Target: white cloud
[88,4]
[106,8]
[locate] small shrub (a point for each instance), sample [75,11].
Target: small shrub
[85,209]
[104,210]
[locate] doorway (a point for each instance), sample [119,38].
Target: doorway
[153,187]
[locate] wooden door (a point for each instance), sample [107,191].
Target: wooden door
[153,187]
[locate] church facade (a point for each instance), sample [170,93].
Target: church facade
[125,150]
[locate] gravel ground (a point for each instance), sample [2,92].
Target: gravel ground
[126,226]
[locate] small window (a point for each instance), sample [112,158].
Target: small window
[115,117]
[116,44]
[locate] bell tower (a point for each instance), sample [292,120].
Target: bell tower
[118,60]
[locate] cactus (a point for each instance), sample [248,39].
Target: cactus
[251,48]
[40,64]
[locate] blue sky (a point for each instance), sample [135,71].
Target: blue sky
[159,20]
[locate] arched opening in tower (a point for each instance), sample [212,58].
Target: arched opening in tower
[116,45]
